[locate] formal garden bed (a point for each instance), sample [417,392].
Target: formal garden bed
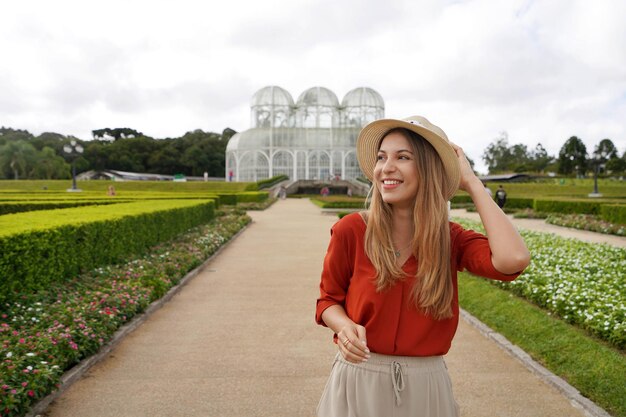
[570,314]
[44,334]
[583,283]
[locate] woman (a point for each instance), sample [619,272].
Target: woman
[389,283]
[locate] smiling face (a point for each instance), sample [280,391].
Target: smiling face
[395,172]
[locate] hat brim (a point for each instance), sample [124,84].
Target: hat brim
[371,135]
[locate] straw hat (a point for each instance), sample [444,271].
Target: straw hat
[368,143]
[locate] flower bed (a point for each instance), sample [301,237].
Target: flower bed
[583,283]
[587,222]
[44,334]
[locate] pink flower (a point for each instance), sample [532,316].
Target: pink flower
[22,340]
[13,391]
[24,384]
[31,393]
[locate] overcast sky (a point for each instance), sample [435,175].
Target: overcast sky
[540,70]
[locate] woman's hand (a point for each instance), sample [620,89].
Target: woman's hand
[352,343]
[467,173]
[509,254]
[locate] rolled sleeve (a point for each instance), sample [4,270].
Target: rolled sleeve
[336,273]
[474,254]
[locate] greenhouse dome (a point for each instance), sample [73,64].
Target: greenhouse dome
[310,140]
[361,106]
[272,106]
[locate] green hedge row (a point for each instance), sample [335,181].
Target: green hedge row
[39,248]
[252,197]
[342,204]
[23,206]
[613,213]
[567,206]
[271,181]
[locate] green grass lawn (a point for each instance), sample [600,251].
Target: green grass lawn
[595,369]
[101,186]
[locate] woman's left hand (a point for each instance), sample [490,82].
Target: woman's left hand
[467,173]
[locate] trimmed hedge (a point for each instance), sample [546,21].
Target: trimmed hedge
[567,206]
[271,181]
[252,197]
[613,213]
[20,207]
[519,203]
[40,248]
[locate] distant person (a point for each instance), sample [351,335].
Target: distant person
[488,190]
[325,192]
[349,192]
[388,289]
[282,192]
[111,190]
[230,176]
[500,196]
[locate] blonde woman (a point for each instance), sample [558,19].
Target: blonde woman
[389,284]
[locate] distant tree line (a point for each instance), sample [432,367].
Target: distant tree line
[573,158]
[25,156]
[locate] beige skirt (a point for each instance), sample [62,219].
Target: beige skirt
[388,386]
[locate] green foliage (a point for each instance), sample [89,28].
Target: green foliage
[46,333]
[595,369]
[588,222]
[271,181]
[573,157]
[613,213]
[582,282]
[567,206]
[100,186]
[500,157]
[252,197]
[24,206]
[40,248]
[519,203]
[17,159]
[115,134]
[338,201]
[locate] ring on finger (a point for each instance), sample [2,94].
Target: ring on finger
[345,342]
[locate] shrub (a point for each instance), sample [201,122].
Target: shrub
[24,206]
[567,206]
[40,248]
[252,197]
[46,333]
[270,182]
[613,213]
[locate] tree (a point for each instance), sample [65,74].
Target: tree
[497,156]
[50,165]
[605,150]
[539,158]
[17,157]
[573,157]
[227,134]
[116,133]
[519,158]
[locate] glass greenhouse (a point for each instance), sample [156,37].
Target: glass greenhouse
[312,139]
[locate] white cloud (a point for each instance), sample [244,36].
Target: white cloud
[542,71]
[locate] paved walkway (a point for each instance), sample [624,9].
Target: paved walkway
[240,340]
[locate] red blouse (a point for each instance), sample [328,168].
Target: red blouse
[394,326]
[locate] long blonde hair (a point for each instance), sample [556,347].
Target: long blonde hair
[433,290]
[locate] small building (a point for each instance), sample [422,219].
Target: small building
[115,175]
[506,178]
